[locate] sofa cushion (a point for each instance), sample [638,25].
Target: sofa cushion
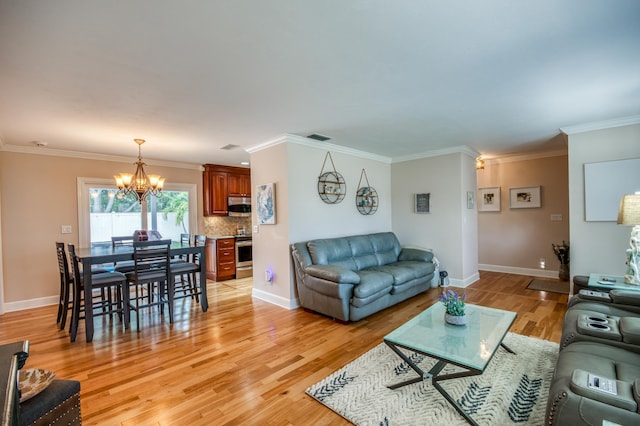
[386,247]
[630,330]
[362,251]
[371,283]
[421,268]
[336,251]
[333,273]
[399,273]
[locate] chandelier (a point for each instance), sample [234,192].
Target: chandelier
[139,183]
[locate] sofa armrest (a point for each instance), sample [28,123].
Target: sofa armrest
[622,397]
[415,254]
[333,273]
[625,297]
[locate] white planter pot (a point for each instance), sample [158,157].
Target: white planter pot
[455,319]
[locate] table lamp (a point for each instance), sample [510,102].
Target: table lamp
[629,214]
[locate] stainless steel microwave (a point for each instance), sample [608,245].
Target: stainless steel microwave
[239,206]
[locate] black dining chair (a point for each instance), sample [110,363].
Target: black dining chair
[123,266]
[65,301]
[66,286]
[185,274]
[150,279]
[112,283]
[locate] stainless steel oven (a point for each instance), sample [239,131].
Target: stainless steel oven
[244,256]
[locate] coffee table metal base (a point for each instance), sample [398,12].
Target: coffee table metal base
[435,378]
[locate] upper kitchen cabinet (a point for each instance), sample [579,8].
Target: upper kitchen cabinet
[221,182]
[239,184]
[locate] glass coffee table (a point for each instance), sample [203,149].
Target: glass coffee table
[470,346]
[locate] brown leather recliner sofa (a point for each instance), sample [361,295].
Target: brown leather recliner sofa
[597,376]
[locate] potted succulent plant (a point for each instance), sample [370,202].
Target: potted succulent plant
[454,307]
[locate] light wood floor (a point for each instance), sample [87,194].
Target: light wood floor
[244,361]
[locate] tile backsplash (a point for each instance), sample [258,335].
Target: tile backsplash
[226,225]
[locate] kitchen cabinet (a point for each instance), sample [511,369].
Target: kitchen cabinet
[239,184]
[215,193]
[221,258]
[221,182]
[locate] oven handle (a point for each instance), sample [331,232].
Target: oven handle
[243,243]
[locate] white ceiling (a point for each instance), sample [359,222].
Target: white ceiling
[393,78]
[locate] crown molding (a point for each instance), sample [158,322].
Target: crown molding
[91,156]
[461,149]
[600,125]
[525,157]
[301,140]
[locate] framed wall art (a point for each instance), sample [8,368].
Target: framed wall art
[524,198]
[421,203]
[266,202]
[489,199]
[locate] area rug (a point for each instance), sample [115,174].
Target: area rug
[512,390]
[549,285]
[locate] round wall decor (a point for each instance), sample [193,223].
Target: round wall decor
[331,185]
[366,197]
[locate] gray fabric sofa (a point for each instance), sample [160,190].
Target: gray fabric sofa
[352,277]
[600,338]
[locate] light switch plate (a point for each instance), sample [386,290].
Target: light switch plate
[65,229]
[556,217]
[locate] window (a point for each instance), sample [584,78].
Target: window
[103,213]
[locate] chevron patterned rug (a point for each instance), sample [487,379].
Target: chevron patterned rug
[512,390]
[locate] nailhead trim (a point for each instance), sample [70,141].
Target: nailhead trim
[76,420]
[568,340]
[554,406]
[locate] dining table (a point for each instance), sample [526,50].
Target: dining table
[98,255]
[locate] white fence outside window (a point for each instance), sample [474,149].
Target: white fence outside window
[106,225]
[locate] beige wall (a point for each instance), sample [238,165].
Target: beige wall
[271,242]
[514,240]
[1,268]
[38,195]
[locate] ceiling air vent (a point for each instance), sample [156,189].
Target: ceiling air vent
[319,137]
[230,147]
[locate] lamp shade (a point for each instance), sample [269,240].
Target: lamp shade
[629,212]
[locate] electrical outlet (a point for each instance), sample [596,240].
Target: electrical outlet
[65,229]
[255,229]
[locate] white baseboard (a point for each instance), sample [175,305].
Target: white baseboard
[29,304]
[542,273]
[466,282]
[275,300]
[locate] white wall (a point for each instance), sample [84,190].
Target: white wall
[469,241]
[598,247]
[294,164]
[450,229]
[310,217]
